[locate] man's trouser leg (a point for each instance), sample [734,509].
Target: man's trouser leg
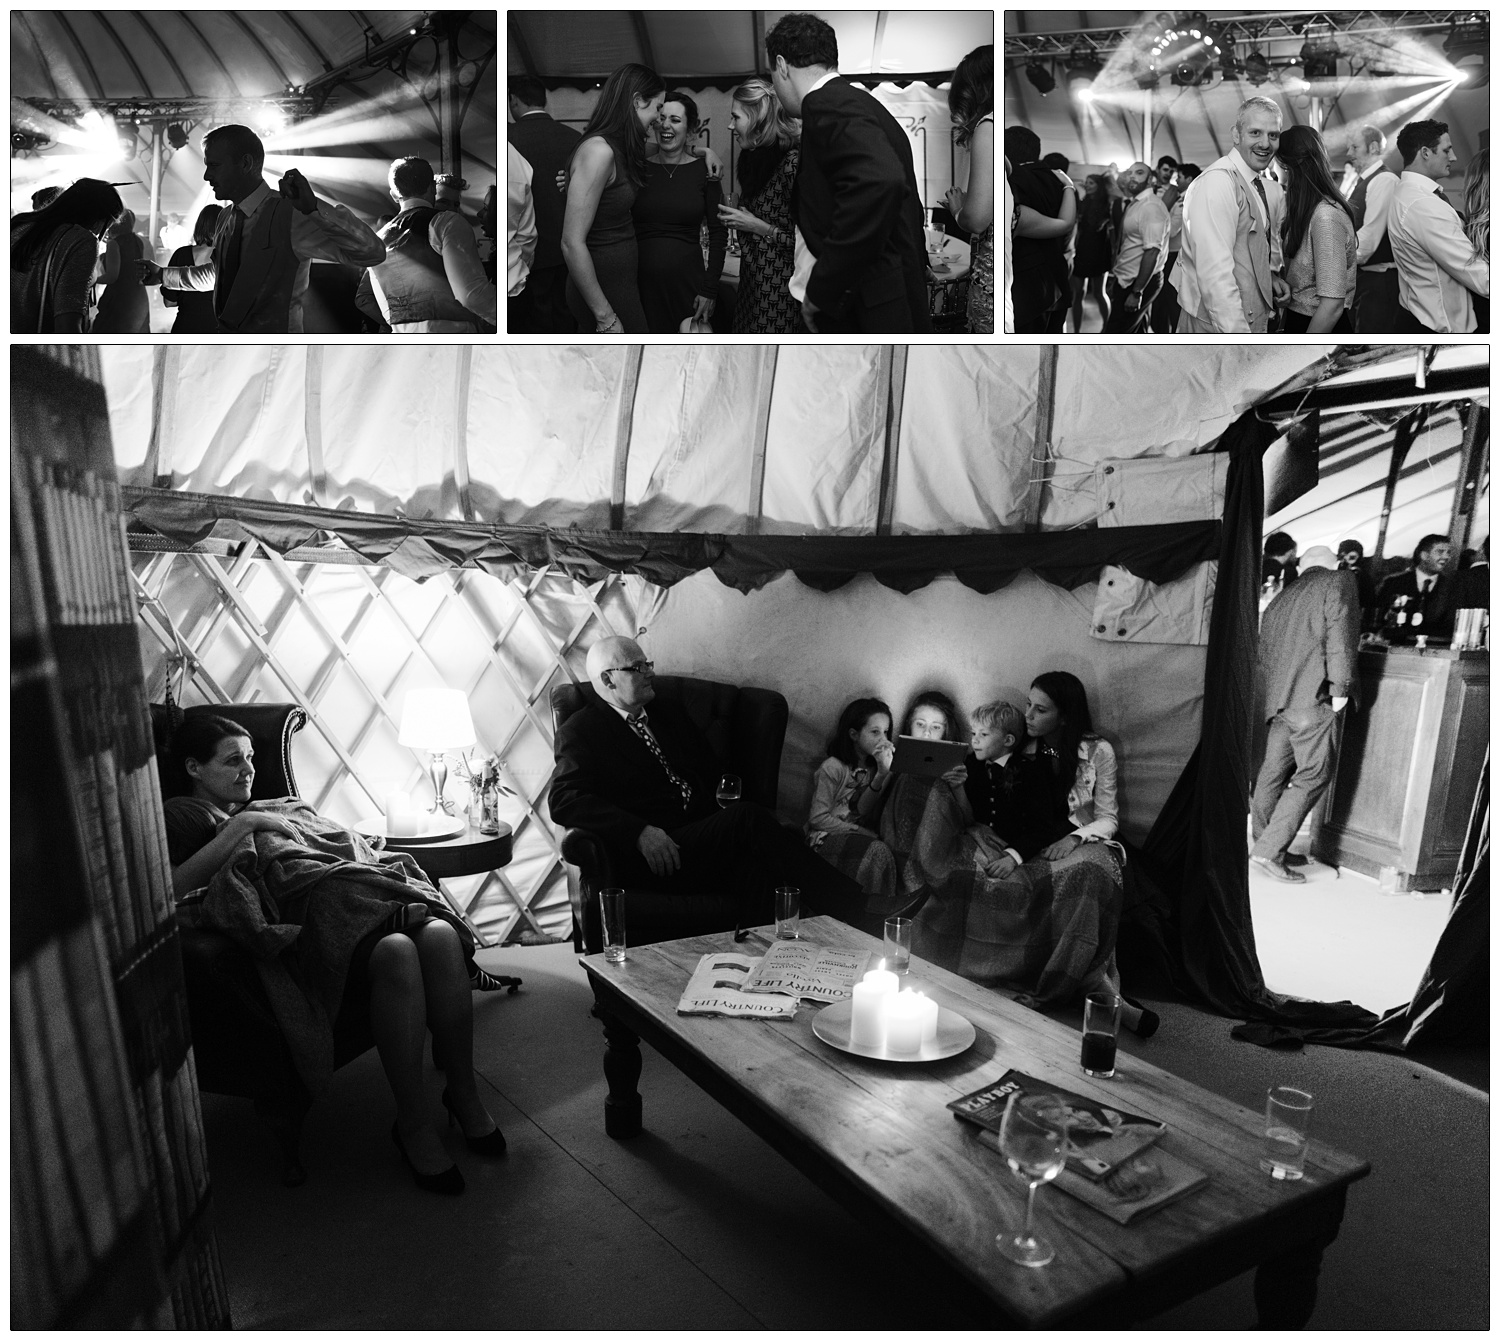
[1309,737]
[1377,297]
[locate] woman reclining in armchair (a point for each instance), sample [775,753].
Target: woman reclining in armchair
[332,925]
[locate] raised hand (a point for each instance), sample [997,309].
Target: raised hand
[295,188]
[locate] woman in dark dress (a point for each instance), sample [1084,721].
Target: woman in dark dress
[598,237]
[1092,250]
[767,171]
[195,311]
[676,199]
[406,967]
[124,308]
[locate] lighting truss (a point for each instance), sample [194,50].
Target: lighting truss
[161,111]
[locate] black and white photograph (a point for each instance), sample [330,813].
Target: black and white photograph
[1248,173]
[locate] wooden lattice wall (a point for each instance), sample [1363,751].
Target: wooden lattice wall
[347,640]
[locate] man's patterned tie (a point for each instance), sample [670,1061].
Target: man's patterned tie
[638,725]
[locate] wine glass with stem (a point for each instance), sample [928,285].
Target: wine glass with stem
[728,791]
[1034,1141]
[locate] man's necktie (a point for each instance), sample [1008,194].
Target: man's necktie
[1260,190]
[638,725]
[233,244]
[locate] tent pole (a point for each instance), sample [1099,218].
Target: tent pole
[155,186]
[895,396]
[1470,466]
[1406,432]
[1041,446]
[1146,128]
[450,111]
[767,388]
[630,378]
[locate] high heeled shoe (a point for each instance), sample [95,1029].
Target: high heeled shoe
[450,1182]
[1150,1021]
[491,1143]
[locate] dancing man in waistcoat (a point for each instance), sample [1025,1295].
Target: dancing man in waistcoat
[1377,291]
[265,242]
[1231,233]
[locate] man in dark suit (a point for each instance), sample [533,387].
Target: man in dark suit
[1474,581]
[1309,643]
[1430,594]
[1041,283]
[645,782]
[858,208]
[548,146]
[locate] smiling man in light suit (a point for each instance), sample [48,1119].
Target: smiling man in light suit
[1227,279]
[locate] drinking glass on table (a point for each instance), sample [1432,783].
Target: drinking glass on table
[1284,1147]
[728,791]
[898,944]
[1034,1141]
[788,912]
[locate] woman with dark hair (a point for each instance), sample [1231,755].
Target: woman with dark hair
[195,311]
[1091,259]
[336,927]
[1477,227]
[971,104]
[770,150]
[124,308]
[606,172]
[677,200]
[1319,239]
[849,788]
[53,253]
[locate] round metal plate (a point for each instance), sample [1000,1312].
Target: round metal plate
[954,1034]
[435,828]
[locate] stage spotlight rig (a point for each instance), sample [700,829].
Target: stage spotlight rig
[1040,77]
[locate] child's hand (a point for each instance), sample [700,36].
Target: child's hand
[884,753]
[956,776]
[1001,868]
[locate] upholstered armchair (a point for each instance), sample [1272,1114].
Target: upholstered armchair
[745,728]
[238,1047]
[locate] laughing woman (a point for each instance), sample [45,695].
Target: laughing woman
[335,928]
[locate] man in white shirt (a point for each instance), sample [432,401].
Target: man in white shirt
[264,243]
[1369,186]
[522,232]
[431,281]
[1142,258]
[1231,233]
[1437,265]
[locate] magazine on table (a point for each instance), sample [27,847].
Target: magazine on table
[811,971]
[1100,1136]
[717,988]
[1143,1183]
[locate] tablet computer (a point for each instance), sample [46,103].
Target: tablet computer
[927,758]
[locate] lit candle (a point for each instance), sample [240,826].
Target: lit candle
[400,817]
[929,1017]
[867,1020]
[903,1024]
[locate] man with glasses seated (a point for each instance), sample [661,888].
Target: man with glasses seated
[645,782]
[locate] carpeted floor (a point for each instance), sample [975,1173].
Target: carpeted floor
[698,1224]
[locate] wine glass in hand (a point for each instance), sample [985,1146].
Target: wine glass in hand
[1034,1141]
[729,790]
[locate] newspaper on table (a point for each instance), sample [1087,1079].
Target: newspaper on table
[814,972]
[716,988]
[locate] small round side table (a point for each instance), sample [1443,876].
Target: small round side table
[467,853]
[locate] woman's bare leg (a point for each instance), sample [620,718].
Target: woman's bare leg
[450,1016]
[398,1019]
[1078,286]
[1098,285]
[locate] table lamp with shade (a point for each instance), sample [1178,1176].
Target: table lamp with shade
[437,720]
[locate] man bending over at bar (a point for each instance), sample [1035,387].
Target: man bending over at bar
[645,783]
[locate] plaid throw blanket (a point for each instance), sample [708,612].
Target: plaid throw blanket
[860,855]
[1047,931]
[300,907]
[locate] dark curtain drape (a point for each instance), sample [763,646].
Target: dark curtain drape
[1197,849]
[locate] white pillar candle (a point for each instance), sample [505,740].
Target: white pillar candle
[929,1018]
[400,817]
[867,1019]
[903,1024]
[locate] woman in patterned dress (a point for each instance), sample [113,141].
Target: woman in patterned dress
[971,103]
[767,171]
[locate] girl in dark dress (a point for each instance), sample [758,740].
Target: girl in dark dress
[195,311]
[1093,250]
[767,171]
[677,198]
[124,309]
[607,169]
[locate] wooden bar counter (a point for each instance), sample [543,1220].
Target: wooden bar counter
[1408,766]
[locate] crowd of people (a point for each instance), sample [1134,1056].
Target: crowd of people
[1265,239]
[78,264]
[624,228]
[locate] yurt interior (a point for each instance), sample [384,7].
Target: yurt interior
[412,622]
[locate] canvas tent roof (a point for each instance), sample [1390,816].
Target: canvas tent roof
[244,54]
[1192,124]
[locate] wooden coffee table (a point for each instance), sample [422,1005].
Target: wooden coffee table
[879,1138]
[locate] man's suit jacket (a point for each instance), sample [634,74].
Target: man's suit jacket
[607,779]
[1309,643]
[1436,607]
[548,146]
[259,298]
[860,212]
[1473,588]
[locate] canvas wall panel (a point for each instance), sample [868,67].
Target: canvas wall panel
[826,441]
[823,649]
[542,433]
[965,441]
